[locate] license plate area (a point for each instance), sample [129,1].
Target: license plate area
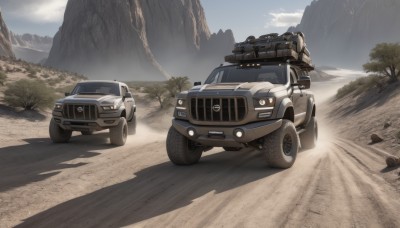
[216,134]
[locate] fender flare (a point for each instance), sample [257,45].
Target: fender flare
[285,104]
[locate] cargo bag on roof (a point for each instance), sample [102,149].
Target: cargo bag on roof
[272,47]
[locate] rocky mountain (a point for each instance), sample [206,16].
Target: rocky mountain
[342,32]
[136,39]
[5,44]
[31,48]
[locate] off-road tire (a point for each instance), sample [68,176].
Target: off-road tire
[132,126]
[132,117]
[181,150]
[57,134]
[89,132]
[232,148]
[281,146]
[309,138]
[119,133]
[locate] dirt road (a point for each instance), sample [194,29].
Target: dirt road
[88,183]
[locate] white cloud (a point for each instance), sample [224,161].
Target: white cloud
[38,11]
[284,19]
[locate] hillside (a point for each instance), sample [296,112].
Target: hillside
[341,32]
[374,111]
[16,70]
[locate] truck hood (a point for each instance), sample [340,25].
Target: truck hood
[248,86]
[102,99]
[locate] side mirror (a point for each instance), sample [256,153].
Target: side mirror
[128,95]
[197,83]
[305,82]
[67,94]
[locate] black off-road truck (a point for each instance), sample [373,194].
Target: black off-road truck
[260,104]
[95,106]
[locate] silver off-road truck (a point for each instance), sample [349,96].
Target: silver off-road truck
[264,105]
[95,106]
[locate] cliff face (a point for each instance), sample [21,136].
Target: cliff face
[5,44]
[342,32]
[104,39]
[132,39]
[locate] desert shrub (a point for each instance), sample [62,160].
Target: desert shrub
[62,77]
[46,76]
[176,85]
[360,85]
[3,78]
[53,81]
[158,92]
[29,94]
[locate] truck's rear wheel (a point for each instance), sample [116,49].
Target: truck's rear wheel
[119,133]
[132,126]
[181,150]
[281,146]
[309,138]
[57,134]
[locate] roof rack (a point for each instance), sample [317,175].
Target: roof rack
[288,47]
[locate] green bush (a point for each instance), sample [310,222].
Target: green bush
[29,95]
[360,85]
[3,78]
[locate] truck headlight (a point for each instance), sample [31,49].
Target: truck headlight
[58,106]
[267,103]
[181,104]
[110,108]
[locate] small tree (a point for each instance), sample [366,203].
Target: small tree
[29,95]
[3,78]
[176,85]
[157,92]
[385,60]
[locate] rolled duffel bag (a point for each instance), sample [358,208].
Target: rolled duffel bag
[250,56]
[305,59]
[287,53]
[267,54]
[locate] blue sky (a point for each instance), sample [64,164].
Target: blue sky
[244,17]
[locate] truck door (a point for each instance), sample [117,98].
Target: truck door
[297,99]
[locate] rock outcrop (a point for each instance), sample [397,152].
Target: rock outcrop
[5,44]
[342,32]
[136,39]
[31,48]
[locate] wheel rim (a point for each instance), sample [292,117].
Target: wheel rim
[287,145]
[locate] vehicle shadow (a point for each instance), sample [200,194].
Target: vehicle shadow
[40,159]
[155,191]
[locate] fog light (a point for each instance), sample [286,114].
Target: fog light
[239,133]
[180,102]
[264,115]
[191,132]
[262,102]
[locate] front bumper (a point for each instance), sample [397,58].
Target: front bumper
[105,121]
[225,136]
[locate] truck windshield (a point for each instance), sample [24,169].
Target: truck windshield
[274,74]
[94,88]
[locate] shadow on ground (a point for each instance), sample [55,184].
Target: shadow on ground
[155,191]
[40,159]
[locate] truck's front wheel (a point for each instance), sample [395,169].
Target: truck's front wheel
[57,134]
[119,133]
[281,146]
[181,150]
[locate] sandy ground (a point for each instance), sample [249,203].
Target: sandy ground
[88,183]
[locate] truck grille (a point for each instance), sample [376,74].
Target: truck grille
[80,112]
[218,109]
